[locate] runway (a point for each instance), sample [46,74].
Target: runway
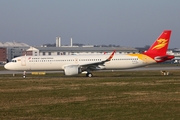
[135,69]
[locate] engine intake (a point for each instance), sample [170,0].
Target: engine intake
[72,70]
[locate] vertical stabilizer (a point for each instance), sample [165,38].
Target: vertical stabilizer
[159,47]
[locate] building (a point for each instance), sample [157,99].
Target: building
[10,50]
[31,52]
[3,55]
[77,50]
[176,53]
[13,49]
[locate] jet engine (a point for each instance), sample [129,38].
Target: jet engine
[72,70]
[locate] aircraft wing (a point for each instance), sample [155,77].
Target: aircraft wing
[96,65]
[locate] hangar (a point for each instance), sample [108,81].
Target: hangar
[10,50]
[14,49]
[77,50]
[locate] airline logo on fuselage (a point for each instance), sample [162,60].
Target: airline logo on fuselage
[160,44]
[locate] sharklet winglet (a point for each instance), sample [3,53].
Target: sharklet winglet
[111,56]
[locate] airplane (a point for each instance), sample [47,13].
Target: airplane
[76,64]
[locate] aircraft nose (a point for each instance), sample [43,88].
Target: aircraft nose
[6,66]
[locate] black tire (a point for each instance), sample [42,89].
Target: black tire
[89,75]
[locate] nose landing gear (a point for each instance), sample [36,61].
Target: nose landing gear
[24,74]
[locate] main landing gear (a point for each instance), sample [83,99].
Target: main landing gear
[89,74]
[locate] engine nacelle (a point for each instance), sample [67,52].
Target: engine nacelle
[72,70]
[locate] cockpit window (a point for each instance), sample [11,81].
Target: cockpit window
[13,61]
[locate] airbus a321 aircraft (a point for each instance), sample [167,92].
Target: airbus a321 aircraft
[76,64]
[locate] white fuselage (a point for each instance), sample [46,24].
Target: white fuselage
[33,63]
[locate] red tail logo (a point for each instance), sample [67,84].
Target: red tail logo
[160,44]
[159,47]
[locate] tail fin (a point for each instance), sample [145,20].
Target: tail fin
[159,47]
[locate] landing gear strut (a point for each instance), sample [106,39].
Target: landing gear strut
[24,74]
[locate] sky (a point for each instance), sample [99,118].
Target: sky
[130,23]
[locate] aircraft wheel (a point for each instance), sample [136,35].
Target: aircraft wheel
[89,75]
[24,76]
